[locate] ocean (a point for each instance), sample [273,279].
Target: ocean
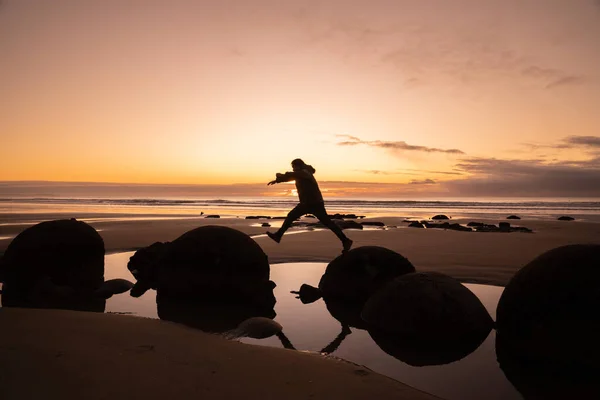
[15,209]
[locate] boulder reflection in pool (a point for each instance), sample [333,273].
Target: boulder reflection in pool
[413,351]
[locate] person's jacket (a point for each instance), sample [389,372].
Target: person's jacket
[306,185]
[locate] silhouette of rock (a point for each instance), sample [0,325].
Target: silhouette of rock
[427,306]
[420,352]
[258,217]
[548,324]
[265,225]
[504,226]
[416,224]
[476,224]
[438,217]
[211,262]
[447,225]
[513,217]
[213,216]
[372,223]
[357,274]
[566,218]
[209,316]
[308,294]
[57,264]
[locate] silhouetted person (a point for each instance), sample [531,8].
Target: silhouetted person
[311,201]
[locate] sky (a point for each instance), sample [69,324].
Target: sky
[396,98]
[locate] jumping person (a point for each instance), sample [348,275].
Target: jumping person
[311,201]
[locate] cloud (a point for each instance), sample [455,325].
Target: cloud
[534,177]
[422,182]
[399,145]
[584,141]
[406,171]
[550,77]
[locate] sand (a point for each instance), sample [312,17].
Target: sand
[61,354]
[56,354]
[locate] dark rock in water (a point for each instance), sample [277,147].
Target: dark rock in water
[357,274]
[438,217]
[213,216]
[277,217]
[265,225]
[520,229]
[57,264]
[416,224]
[459,227]
[427,306]
[336,216]
[565,218]
[308,294]
[476,224]
[208,263]
[548,324]
[258,217]
[504,226]
[513,217]
[372,223]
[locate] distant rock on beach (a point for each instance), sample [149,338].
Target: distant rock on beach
[566,218]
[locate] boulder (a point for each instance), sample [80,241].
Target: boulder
[439,217]
[415,224]
[513,217]
[57,264]
[372,223]
[548,323]
[354,276]
[212,216]
[265,225]
[566,218]
[207,263]
[504,226]
[427,306]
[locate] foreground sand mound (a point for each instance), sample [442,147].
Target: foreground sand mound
[102,356]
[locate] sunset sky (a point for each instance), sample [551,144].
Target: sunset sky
[382,97]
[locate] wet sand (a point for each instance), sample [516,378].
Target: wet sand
[490,258]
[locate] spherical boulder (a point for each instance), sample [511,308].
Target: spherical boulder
[210,262]
[428,306]
[548,321]
[354,276]
[57,264]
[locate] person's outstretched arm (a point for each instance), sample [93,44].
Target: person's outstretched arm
[288,176]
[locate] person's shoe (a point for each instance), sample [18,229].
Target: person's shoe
[347,245]
[274,236]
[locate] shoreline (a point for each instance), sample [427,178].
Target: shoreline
[472,257]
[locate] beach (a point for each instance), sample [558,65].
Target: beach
[479,257]
[119,351]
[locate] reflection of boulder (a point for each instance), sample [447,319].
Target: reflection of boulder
[427,306]
[411,350]
[210,263]
[57,264]
[214,317]
[548,323]
[357,274]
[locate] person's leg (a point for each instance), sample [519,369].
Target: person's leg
[293,215]
[321,214]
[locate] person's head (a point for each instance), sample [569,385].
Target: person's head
[298,165]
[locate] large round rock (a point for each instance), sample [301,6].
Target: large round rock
[428,306]
[210,262]
[52,262]
[357,274]
[548,323]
